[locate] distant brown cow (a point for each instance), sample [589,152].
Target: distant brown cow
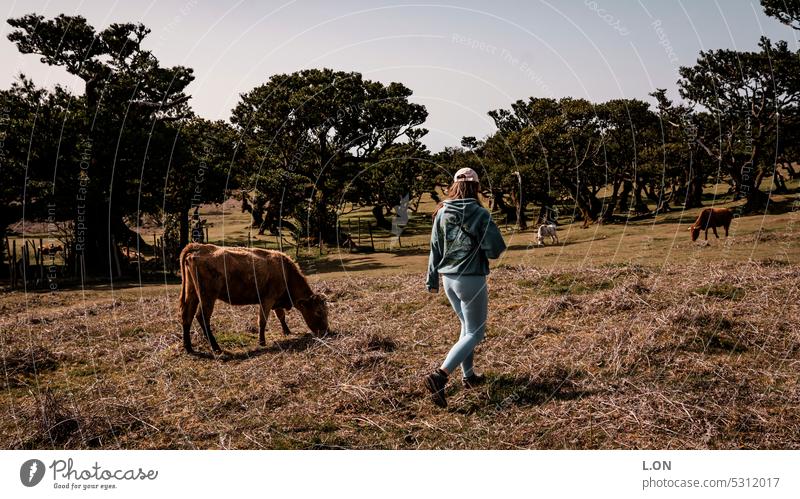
[711,218]
[244,276]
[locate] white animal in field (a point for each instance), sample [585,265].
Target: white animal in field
[545,231]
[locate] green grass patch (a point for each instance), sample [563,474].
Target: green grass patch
[716,341]
[400,309]
[566,284]
[82,370]
[229,339]
[722,291]
[136,332]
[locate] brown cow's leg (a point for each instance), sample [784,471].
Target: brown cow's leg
[204,318]
[715,232]
[188,310]
[262,325]
[281,315]
[263,315]
[706,234]
[726,230]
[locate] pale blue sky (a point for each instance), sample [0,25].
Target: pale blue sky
[461,59]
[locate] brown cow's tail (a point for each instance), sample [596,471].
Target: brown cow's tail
[184,276]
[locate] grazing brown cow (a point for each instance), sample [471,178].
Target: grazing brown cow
[711,218]
[244,276]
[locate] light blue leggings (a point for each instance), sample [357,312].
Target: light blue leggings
[470,300]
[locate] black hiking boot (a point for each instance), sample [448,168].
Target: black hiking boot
[435,383]
[473,380]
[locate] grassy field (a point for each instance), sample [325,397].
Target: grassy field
[613,356]
[622,336]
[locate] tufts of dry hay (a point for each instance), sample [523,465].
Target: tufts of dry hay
[615,356]
[22,363]
[53,422]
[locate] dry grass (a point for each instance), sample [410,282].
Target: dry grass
[613,356]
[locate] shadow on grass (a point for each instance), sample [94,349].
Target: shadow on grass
[534,247]
[787,205]
[345,265]
[148,280]
[290,344]
[505,391]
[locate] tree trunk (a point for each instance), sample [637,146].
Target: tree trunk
[183,229]
[694,192]
[746,180]
[607,214]
[588,204]
[500,204]
[95,248]
[639,204]
[380,217]
[257,215]
[519,210]
[759,179]
[756,201]
[326,222]
[624,205]
[545,216]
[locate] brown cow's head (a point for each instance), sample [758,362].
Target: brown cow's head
[695,232]
[315,312]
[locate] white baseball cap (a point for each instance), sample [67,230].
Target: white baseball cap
[465,175]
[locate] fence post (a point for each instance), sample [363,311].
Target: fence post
[359,230]
[10,261]
[41,262]
[14,265]
[32,268]
[25,264]
[371,240]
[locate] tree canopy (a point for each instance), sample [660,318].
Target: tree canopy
[319,127]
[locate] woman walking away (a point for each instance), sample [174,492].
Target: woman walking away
[463,238]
